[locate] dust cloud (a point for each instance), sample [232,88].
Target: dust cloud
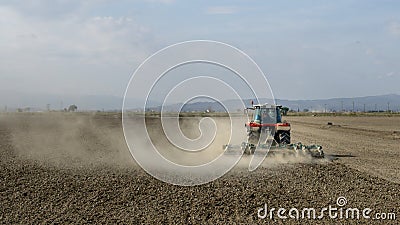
[69,139]
[90,139]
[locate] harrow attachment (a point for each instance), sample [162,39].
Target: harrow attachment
[295,149]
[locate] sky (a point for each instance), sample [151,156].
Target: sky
[307,49]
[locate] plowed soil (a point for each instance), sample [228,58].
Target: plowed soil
[76,168]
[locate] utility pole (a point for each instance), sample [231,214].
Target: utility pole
[353,106]
[364,107]
[325,107]
[388,109]
[376,107]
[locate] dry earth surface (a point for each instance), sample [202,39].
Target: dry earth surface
[76,168]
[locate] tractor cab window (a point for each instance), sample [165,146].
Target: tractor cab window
[278,116]
[268,115]
[257,115]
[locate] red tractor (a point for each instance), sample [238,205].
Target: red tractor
[267,130]
[268,118]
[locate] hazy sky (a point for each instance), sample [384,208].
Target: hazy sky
[307,49]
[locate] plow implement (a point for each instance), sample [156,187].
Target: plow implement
[295,149]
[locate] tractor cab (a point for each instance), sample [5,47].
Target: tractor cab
[267,118]
[266,114]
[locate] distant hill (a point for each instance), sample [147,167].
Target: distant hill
[368,103]
[38,102]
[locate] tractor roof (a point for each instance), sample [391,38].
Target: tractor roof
[266,105]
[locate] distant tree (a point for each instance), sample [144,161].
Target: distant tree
[72,108]
[306,110]
[285,110]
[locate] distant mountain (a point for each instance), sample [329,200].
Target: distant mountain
[368,103]
[38,102]
[227,105]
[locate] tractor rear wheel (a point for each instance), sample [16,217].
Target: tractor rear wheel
[283,137]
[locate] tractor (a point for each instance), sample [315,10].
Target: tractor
[267,130]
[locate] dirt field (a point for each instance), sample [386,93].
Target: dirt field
[369,144]
[76,168]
